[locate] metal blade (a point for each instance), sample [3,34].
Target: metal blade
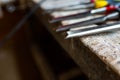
[81,15]
[81,6]
[88,22]
[74,16]
[99,29]
[52,4]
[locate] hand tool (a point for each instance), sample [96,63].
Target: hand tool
[85,14]
[68,3]
[94,30]
[80,15]
[57,4]
[114,5]
[84,5]
[75,7]
[113,15]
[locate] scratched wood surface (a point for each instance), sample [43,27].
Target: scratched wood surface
[98,55]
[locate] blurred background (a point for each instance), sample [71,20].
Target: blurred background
[31,53]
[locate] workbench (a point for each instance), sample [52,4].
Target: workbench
[97,55]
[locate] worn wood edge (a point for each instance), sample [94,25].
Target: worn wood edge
[107,59]
[68,49]
[71,49]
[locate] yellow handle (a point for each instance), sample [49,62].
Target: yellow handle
[100,3]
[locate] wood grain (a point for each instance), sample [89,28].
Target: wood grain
[97,55]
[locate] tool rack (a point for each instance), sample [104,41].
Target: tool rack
[97,55]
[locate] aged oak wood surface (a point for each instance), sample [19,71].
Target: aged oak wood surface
[97,55]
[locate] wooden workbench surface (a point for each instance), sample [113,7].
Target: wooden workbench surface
[97,55]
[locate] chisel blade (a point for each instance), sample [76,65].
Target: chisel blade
[85,14]
[74,16]
[56,4]
[94,30]
[88,22]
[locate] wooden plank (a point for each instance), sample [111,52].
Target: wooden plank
[98,55]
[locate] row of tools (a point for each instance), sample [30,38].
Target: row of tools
[108,9]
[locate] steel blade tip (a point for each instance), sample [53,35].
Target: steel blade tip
[67,37]
[52,21]
[62,28]
[59,29]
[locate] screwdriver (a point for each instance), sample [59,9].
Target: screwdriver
[113,15]
[94,30]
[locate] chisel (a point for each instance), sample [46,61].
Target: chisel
[113,5]
[52,4]
[113,15]
[94,30]
[75,7]
[85,14]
